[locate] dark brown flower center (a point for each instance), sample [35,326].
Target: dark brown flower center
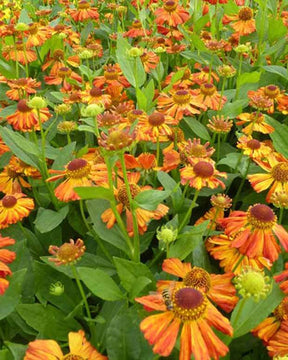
[111,74]
[64,72]
[95,91]
[156,119]
[23,107]
[9,201]
[207,89]
[260,216]
[189,303]
[182,97]
[123,195]
[245,14]
[58,54]
[271,91]
[73,357]
[254,144]
[170,5]
[280,172]
[76,164]
[198,278]
[83,5]
[78,168]
[281,312]
[203,169]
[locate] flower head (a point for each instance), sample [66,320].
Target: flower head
[68,253]
[253,283]
[220,124]
[79,347]
[255,232]
[187,303]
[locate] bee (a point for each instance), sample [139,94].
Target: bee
[167,297]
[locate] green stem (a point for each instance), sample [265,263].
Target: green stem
[81,290]
[222,92]
[132,209]
[218,146]
[238,263]
[213,221]
[281,215]
[239,73]
[189,212]
[156,258]
[92,231]
[157,151]
[114,208]
[241,185]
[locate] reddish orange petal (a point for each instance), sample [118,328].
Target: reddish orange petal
[176,267]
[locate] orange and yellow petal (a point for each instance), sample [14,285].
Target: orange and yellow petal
[43,350]
[176,267]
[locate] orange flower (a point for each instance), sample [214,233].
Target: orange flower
[244,23]
[231,260]
[254,232]
[21,88]
[282,278]
[68,253]
[186,303]
[194,150]
[271,92]
[209,96]
[220,124]
[203,76]
[278,345]
[171,14]
[95,95]
[14,208]
[112,76]
[270,326]
[201,174]
[179,103]
[276,167]
[77,173]
[149,60]
[136,30]
[212,215]
[37,34]
[253,147]
[143,216]
[63,74]
[11,179]
[79,348]
[26,119]
[154,126]
[84,12]
[6,257]
[256,122]
[23,56]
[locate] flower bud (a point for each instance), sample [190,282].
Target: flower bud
[93,110]
[37,103]
[56,289]
[21,27]
[135,52]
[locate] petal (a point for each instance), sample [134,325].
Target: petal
[175,267]
[166,342]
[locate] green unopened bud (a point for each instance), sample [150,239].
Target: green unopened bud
[167,234]
[241,49]
[253,283]
[62,36]
[227,71]
[37,103]
[21,27]
[135,52]
[67,126]
[86,54]
[62,108]
[160,50]
[92,110]
[56,289]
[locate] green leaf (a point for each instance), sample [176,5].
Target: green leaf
[64,156]
[235,108]
[279,135]
[7,70]
[50,322]
[132,67]
[248,314]
[149,91]
[188,241]
[12,295]
[150,199]
[17,350]
[252,77]
[113,236]
[276,30]
[94,192]
[175,77]
[278,70]
[21,147]
[24,17]
[48,220]
[197,128]
[100,284]
[124,338]
[170,185]
[131,272]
